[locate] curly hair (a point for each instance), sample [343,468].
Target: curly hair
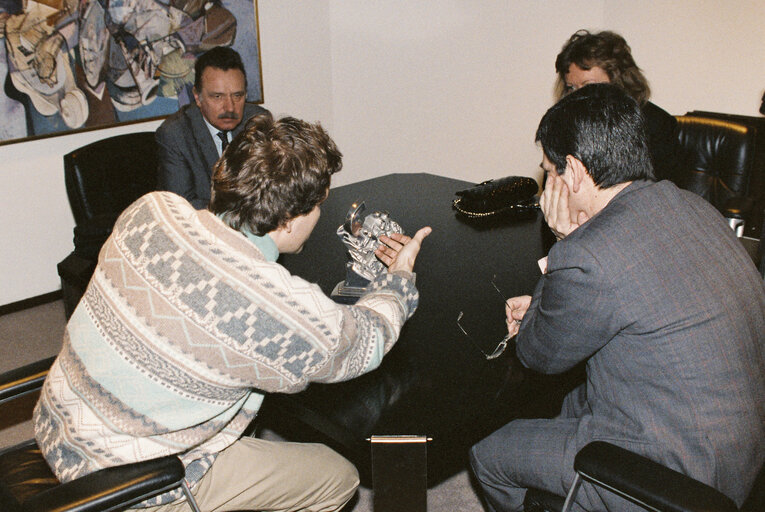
[272,172]
[608,51]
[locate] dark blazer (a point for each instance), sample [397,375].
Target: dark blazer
[187,153]
[664,304]
[661,129]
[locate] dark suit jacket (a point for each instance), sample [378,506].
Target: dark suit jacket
[661,129]
[187,153]
[663,302]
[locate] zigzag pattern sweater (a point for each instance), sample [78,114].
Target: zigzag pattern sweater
[183,326]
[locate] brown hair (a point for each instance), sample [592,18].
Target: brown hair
[608,51]
[273,171]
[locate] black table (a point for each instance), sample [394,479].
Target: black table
[434,382]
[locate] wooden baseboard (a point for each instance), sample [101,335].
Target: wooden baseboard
[30,302]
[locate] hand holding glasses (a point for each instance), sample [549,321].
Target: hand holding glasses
[500,348]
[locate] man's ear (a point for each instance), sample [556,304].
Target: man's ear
[578,172]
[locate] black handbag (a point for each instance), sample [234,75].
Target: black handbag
[512,196]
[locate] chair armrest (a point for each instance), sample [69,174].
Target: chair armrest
[115,488]
[27,379]
[646,482]
[76,270]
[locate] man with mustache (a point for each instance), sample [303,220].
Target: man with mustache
[191,140]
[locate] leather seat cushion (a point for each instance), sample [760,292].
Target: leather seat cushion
[23,473]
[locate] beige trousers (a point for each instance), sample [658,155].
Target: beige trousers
[255,474]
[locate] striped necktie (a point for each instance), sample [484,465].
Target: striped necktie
[223,136]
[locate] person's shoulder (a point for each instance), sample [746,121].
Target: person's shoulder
[645,200]
[251,109]
[176,217]
[641,196]
[670,190]
[690,199]
[655,113]
[164,198]
[610,230]
[143,209]
[637,198]
[179,118]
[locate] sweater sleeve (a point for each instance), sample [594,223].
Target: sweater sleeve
[371,327]
[330,342]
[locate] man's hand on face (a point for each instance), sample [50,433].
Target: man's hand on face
[399,251]
[555,207]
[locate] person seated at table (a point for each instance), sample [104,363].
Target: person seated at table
[189,320]
[190,141]
[648,285]
[605,57]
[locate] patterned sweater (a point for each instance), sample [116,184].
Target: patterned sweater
[182,328]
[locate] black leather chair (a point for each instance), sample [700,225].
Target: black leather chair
[720,160]
[28,485]
[644,482]
[102,179]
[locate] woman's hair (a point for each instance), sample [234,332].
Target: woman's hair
[608,51]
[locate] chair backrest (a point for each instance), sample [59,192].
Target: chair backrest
[754,222]
[106,176]
[714,158]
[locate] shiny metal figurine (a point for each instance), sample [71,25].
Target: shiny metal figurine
[361,237]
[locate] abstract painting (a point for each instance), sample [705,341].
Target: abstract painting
[70,65]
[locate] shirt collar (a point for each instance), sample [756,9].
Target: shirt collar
[214,134]
[264,243]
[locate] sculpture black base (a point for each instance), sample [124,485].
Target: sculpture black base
[349,291]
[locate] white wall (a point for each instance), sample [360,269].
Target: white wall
[36,223]
[697,54]
[296,59]
[457,88]
[452,87]
[447,87]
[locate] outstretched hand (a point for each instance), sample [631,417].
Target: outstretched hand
[554,204]
[399,251]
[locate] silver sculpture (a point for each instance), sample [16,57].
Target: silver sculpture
[361,236]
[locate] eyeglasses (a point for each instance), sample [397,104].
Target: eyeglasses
[502,344]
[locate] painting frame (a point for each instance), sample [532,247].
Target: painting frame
[72,66]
